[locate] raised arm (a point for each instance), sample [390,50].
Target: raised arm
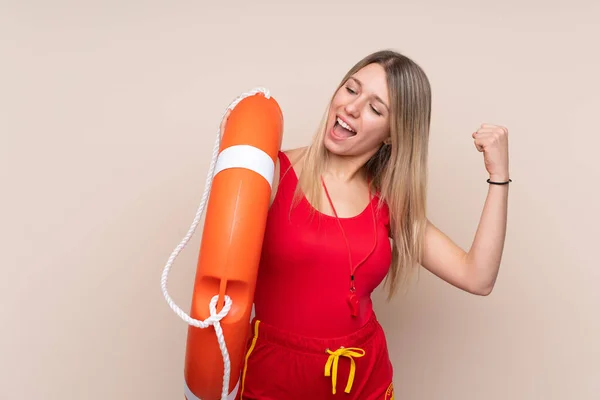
[476,270]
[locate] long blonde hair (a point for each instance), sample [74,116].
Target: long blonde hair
[398,170]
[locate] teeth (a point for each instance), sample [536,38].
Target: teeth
[345,125]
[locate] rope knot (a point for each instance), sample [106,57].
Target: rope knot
[331,367]
[214,316]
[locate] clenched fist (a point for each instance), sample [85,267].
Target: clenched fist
[492,141]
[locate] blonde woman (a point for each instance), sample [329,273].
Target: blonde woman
[347,212]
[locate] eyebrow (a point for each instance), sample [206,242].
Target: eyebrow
[376,97]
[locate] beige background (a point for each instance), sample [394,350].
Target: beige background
[108,113]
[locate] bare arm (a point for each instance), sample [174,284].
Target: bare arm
[476,271]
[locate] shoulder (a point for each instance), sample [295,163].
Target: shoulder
[295,155]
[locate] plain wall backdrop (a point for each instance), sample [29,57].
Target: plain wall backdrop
[108,115]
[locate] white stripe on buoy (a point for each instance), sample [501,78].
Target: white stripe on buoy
[191,396]
[248,157]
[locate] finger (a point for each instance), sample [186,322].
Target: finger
[226,116]
[224,121]
[484,135]
[489,130]
[493,126]
[484,141]
[491,137]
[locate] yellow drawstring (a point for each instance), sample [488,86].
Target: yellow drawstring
[254,339]
[333,359]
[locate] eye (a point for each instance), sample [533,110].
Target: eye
[350,90]
[375,111]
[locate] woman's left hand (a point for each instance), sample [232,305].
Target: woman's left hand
[492,141]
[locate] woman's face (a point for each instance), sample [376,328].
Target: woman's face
[359,114]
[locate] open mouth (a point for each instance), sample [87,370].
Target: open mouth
[342,130]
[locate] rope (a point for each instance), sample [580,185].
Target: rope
[214,318]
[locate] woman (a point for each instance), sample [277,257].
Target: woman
[347,212]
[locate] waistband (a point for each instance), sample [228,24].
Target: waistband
[293,341]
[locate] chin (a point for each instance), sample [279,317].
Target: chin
[333,148]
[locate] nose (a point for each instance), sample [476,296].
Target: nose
[352,108]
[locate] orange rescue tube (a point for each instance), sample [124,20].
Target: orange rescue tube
[231,243]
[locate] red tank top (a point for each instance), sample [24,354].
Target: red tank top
[304,275]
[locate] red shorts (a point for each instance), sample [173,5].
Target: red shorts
[283,366]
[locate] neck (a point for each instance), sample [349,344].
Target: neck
[346,168]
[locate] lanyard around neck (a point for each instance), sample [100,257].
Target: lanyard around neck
[353,268]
